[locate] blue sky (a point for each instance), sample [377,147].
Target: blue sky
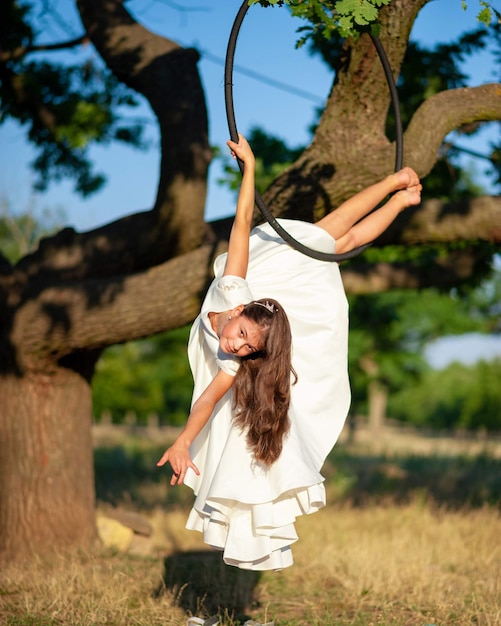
[266,46]
[465,349]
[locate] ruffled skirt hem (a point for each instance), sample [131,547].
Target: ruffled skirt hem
[255,536]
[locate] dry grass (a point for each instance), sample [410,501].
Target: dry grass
[396,565]
[86,590]
[407,565]
[408,562]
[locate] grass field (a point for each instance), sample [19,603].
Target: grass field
[411,537]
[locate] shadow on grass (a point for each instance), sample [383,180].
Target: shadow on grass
[455,482]
[203,585]
[200,581]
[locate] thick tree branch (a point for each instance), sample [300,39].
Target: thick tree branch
[73,256]
[129,244]
[352,128]
[445,273]
[441,114]
[167,76]
[64,318]
[57,320]
[477,219]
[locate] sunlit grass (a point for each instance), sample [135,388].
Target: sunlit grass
[402,565]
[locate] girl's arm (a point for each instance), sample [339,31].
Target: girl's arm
[178,455]
[238,245]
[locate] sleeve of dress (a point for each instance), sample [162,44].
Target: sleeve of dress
[228,292]
[225,293]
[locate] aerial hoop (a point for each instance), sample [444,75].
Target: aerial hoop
[230,115]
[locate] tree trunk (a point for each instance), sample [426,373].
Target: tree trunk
[47,499]
[378,398]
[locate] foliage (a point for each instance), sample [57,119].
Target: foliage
[349,18]
[392,329]
[484,302]
[20,234]
[149,377]
[456,397]
[487,12]
[65,107]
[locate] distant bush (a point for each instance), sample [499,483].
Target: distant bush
[460,396]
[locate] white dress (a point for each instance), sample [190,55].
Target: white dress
[242,507]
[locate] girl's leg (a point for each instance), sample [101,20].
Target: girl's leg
[340,221]
[370,227]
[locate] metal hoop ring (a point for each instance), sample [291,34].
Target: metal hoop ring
[230,115]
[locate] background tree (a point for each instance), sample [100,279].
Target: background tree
[20,232]
[388,336]
[146,273]
[147,378]
[457,397]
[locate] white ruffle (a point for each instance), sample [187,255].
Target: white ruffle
[256,536]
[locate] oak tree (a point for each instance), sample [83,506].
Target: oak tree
[78,293]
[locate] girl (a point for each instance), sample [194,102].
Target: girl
[271,389]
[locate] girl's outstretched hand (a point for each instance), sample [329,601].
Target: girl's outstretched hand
[242,150]
[178,455]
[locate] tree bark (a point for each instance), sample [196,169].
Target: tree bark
[53,321]
[46,477]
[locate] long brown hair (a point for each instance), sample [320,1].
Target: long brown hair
[261,390]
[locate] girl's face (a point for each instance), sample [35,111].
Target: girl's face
[239,335]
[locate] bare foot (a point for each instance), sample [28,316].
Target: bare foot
[405,178]
[410,196]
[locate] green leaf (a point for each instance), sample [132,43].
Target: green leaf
[485,16]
